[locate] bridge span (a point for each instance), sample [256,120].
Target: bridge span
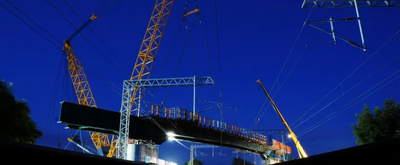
[180,122]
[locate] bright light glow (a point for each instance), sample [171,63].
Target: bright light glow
[171,138]
[170,134]
[289,136]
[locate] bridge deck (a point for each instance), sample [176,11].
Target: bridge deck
[201,130]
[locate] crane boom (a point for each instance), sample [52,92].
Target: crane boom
[145,60]
[302,153]
[81,84]
[151,43]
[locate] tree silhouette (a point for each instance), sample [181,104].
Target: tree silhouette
[383,124]
[15,121]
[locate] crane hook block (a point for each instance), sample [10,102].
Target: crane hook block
[93,17]
[191,12]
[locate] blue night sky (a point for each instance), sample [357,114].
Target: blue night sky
[255,40]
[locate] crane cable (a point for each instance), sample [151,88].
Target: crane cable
[97,36]
[179,60]
[191,45]
[372,55]
[50,113]
[162,68]
[55,88]
[180,57]
[86,64]
[219,70]
[97,50]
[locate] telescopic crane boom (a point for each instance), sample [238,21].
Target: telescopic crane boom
[302,153]
[81,84]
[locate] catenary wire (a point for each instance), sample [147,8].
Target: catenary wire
[335,113]
[344,93]
[30,27]
[283,66]
[372,55]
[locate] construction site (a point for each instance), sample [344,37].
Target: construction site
[136,130]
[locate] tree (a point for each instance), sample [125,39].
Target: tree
[195,162]
[15,121]
[383,124]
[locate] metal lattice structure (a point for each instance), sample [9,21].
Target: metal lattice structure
[349,3]
[126,107]
[170,82]
[341,4]
[81,85]
[143,65]
[193,148]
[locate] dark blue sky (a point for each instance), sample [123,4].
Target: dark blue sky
[255,39]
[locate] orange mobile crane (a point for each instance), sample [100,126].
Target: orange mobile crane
[82,87]
[302,153]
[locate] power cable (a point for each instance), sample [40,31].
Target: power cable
[283,66]
[335,113]
[30,27]
[33,21]
[372,55]
[291,50]
[298,59]
[344,93]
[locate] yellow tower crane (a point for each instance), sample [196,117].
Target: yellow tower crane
[302,153]
[81,85]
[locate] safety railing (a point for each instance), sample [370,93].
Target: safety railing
[182,114]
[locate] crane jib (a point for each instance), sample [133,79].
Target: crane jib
[82,27]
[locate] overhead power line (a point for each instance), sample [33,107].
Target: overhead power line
[33,22]
[31,27]
[372,55]
[344,93]
[335,113]
[280,72]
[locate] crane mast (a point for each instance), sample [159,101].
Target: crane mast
[81,84]
[302,153]
[142,68]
